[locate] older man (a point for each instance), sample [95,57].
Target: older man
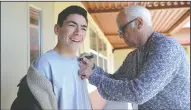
[154,76]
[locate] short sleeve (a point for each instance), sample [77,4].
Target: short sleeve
[43,67]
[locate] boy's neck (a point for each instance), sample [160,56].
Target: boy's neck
[64,51]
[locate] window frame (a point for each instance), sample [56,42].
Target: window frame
[39,30]
[97,52]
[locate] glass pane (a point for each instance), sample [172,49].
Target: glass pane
[34,34]
[105,50]
[105,65]
[101,62]
[93,43]
[100,46]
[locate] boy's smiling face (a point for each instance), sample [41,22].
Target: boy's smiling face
[73,31]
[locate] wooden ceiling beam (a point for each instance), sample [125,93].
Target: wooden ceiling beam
[123,47]
[184,6]
[98,22]
[179,24]
[118,43]
[127,47]
[116,34]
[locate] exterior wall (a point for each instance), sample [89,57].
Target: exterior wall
[187,49]
[183,36]
[119,57]
[15,44]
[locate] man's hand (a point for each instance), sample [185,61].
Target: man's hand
[86,66]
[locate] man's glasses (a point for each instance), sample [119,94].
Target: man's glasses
[121,29]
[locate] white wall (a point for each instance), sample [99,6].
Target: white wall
[13,48]
[15,43]
[183,36]
[119,57]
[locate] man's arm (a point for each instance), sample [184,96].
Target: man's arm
[156,73]
[116,75]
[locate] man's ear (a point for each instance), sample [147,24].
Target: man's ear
[139,22]
[56,29]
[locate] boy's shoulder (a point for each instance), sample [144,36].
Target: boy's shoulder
[44,58]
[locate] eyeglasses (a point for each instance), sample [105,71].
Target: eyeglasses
[121,29]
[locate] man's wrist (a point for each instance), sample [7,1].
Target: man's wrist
[93,78]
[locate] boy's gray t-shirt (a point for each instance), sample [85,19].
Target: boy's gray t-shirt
[71,92]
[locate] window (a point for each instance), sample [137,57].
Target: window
[99,49]
[35,33]
[93,40]
[100,62]
[105,65]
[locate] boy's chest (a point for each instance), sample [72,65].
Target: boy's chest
[63,74]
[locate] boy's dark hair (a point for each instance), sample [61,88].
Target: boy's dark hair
[71,10]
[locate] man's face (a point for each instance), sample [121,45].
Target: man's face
[129,34]
[72,32]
